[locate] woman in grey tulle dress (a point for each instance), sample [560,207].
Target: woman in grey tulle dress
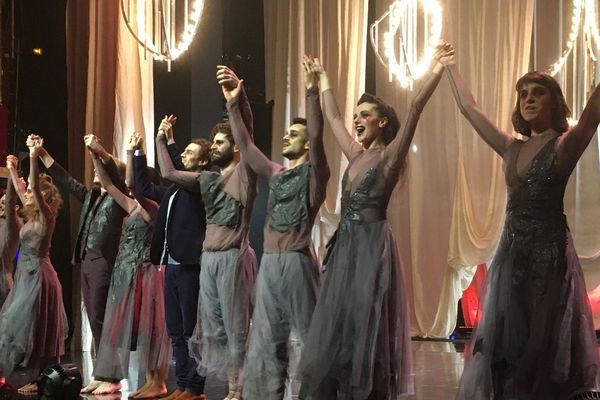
[133,320]
[536,337]
[33,323]
[358,344]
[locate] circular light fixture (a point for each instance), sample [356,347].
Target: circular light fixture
[164,28]
[414,28]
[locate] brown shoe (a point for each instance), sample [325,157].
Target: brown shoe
[174,395]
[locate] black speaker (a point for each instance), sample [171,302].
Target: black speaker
[59,382]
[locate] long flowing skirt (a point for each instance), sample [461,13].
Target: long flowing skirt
[536,337]
[358,344]
[33,322]
[286,293]
[224,310]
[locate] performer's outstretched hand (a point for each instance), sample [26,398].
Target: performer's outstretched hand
[166,126]
[311,77]
[229,81]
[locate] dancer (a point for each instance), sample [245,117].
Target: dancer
[177,242]
[228,262]
[358,344]
[122,322]
[288,277]
[536,338]
[9,234]
[33,322]
[97,240]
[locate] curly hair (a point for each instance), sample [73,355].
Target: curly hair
[561,112]
[50,193]
[224,128]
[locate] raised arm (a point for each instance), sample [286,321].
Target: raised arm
[61,177]
[34,186]
[13,223]
[314,123]
[135,143]
[397,149]
[234,93]
[186,179]
[345,140]
[19,185]
[489,132]
[576,140]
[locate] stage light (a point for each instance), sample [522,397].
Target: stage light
[59,382]
[590,31]
[37,51]
[157,24]
[413,35]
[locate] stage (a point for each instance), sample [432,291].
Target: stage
[437,364]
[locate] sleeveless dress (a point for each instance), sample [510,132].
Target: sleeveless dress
[33,322]
[358,343]
[536,337]
[124,325]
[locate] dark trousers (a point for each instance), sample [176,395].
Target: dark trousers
[95,281]
[182,283]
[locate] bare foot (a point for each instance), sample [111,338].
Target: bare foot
[108,388]
[135,395]
[30,388]
[155,390]
[93,385]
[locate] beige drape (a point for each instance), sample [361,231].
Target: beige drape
[120,96]
[334,31]
[448,215]
[116,100]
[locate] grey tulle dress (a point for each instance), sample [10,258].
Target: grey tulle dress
[134,318]
[358,344]
[536,337]
[33,322]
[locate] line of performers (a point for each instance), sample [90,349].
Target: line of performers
[167,270]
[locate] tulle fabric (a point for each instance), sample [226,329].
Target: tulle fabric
[218,343]
[33,322]
[286,294]
[358,344]
[153,345]
[548,351]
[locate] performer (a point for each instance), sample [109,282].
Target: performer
[358,344]
[288,277]
[228,262]
[33,322]
[536,338]
[122,322]
[9,235]
[177,242]
[97,240]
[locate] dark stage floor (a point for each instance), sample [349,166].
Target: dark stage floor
[438,366]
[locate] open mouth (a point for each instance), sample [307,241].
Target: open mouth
[360,129]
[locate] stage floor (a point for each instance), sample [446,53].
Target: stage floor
[438,366]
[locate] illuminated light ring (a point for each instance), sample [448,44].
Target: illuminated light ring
[408,72]
[578,6]
[171,53]
[591,28]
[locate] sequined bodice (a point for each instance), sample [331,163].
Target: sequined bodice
[536,197]
[368,201]
[221,208]
[288,203]
[134,249]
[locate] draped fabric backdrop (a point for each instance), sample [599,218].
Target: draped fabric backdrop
[448,210]
[110,94]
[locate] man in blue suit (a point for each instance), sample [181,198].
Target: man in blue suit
[177,242]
